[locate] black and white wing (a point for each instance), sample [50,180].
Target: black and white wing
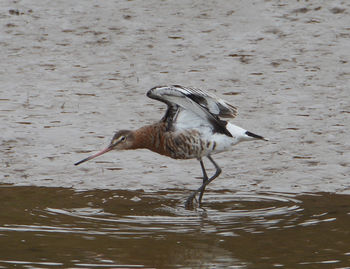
[204,106]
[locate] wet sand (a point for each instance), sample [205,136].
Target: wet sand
[74,72]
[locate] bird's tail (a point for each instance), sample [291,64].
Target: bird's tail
[242,134]
[254,136]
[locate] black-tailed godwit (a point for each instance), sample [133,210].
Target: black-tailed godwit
[190,128]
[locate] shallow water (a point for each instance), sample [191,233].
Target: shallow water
[56,227]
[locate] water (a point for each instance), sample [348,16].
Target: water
[57,227]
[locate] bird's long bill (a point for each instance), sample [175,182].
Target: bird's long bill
[109,148]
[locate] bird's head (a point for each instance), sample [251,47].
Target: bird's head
[123,139]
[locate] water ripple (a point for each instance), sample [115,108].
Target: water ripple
[224,212]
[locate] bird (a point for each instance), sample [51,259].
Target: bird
[193,127]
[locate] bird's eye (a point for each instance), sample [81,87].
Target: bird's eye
[123,138]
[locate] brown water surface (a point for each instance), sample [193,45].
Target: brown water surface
[57,227]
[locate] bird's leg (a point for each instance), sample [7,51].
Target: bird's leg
[189,201]
[205,176]
[217,173]
[206,181]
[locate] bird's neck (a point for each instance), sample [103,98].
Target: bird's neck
[149,137]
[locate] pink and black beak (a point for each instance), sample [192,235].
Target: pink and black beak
[109,148]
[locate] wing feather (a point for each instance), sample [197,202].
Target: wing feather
[202,104]
[209,101]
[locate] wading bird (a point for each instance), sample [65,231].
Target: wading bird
[191,128]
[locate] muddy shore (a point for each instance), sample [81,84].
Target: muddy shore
[74,72]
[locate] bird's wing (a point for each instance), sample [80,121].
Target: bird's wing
[203,106]
[208,101]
